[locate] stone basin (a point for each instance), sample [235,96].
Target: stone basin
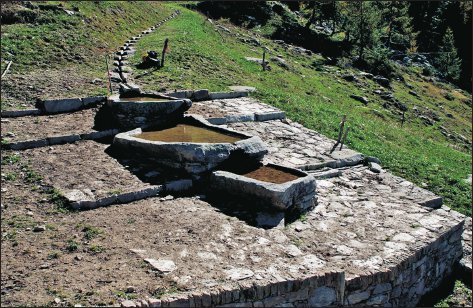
[192,145]
[273,186]
[132,110]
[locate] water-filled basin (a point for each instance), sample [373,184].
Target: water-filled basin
[145,109]
[271,186]
[192,145]
[189,133]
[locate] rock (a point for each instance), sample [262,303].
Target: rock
[366,75]
[239,273]
[39,228]
[358,297]
[242,88]
[200,95]
[163,266]
[362,99]
[349,77]
[414,93]
[168,197]
[270,220]
[468,179]
[57,300]
[281,62]
[375,167]
[382,81]
[322,296]
[130,289]
[426,120]
[153,302]
[128,303]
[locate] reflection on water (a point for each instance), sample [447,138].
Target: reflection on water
[143,99]
[271,175]
[188,133]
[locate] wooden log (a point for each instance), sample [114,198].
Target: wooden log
[340,132]
[7,68]
[165,49]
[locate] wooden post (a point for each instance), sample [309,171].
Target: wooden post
[340,132]
[109,78]
[264,56]
[344,138]
[165,49]
[6,69]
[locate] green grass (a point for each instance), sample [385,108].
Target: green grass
[55,38]
[199,57]
[461,297]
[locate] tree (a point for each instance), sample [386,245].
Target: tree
[447,61]
[363,19]
[400,33]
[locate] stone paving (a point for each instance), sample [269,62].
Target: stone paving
[366,223]
[289,143]
[230,107]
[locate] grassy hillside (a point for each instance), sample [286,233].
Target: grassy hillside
[316,96]
[57,54]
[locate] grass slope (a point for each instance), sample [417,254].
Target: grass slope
[201,57]
[58,55]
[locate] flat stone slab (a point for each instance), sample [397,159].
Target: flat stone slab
[84,169]
[242,109]
[289,144]
[242,88]
[44,126]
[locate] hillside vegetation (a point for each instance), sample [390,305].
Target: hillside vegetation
[316,95]
[431,148]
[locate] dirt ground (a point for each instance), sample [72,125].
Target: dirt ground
[20,91]
[40,127]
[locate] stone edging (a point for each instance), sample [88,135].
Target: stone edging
[80,201]
[51,106]
[121,70]
[48,141]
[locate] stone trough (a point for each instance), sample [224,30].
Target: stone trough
[132,109]
[191,144]
[274,187]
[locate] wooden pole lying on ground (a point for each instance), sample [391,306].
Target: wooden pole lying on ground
[344,138]
[6,69]
[165,49]
[109,78]
[340,132]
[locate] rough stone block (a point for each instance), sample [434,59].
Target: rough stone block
[63,139]
[61,105]
[322,296]
[29,144]
[217,121]
[358,297]
[20,113]
[92,100]
[178,186]
[268,116]
[434,203]
[240,118]
[201,95]
[226,95]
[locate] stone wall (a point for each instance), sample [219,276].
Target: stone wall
[404,284]
[401,286]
